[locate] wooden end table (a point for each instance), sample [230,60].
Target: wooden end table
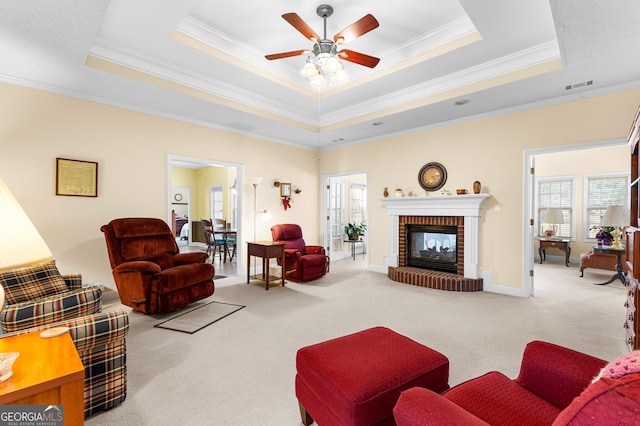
[47,372]
[266,250]
[563,244]
[619,275]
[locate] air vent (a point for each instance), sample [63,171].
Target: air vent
[576,85]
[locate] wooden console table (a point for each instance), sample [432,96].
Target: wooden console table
[266,250]
[563,244]
[47,372]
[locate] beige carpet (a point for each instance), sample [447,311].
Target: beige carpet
[241,370]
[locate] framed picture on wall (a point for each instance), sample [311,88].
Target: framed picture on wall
[285,190]
[76,178]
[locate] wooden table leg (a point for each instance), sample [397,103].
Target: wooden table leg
[248,267]
[265,270]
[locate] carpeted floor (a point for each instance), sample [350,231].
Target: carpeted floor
[241,370]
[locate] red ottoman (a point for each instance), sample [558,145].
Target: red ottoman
[357,379]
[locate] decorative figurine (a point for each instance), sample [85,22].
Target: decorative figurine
[386,192]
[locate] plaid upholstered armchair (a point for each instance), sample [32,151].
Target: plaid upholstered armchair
[38,298]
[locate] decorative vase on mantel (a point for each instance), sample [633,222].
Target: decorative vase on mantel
[476,187]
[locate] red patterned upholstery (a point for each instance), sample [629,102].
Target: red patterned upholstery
[151,274]
[302,262]
[553,388]
[357,379]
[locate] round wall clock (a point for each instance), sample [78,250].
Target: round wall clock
[178,197]
[432,176]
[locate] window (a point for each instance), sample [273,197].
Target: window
[602,191]
[357,203]
[217,203]
[556,193]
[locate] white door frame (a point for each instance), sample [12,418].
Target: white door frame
[529,201]
[240,184]
[326,217]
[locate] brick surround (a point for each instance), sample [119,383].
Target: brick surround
[460,211]
[457,221]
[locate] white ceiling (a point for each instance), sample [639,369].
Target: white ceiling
[202,61]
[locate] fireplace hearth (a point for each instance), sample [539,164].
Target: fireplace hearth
[409,256]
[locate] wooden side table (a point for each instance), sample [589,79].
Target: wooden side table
[563,244]
[619,275]
[266,250]
[47,372]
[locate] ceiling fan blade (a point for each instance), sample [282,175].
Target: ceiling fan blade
[359,58]
[297,23]
[355,30]
[285,54]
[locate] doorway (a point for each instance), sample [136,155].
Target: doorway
[201,179]
[344,201]
[574,163]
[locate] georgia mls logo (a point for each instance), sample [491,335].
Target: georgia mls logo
[31,415]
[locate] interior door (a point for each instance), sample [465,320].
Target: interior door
[530,230]
[336,218]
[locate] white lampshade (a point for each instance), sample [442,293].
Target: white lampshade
[616,216]
[553,217]
[255,180]
[20,242]
[318,81]
[308,70]
[332,65]
[340,77]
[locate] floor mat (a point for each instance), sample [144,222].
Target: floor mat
[200,317]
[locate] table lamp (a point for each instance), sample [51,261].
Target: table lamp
[617,217]
[553,217]
[20,242]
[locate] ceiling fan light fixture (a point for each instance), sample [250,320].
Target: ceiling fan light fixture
[332,65]
[318,81]
[340,77]
[309,70]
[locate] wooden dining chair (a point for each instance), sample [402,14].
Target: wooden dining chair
[223,239]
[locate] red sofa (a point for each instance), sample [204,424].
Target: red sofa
[554,387]
[302,262]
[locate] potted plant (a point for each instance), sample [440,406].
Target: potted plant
[355,231]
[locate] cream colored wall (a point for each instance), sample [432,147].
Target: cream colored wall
[131,149]
[578,164]
[490,150]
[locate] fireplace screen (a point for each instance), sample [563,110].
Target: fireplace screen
[432,247]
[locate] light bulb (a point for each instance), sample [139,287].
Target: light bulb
[340,77]
[332,65]
[308,70]
[318,81]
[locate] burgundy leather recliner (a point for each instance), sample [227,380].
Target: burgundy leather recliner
[302,262]
[151,274]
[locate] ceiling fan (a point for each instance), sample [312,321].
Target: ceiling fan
[322,57]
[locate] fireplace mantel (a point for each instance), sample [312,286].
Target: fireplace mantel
[468,206]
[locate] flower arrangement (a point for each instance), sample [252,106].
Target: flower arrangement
[604,234]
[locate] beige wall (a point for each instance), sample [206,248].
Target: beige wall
[131,149]
[579,164]
[489,150]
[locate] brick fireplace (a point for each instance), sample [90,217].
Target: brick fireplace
[462,211]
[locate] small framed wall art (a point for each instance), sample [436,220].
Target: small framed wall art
[76,178]
[285,189]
